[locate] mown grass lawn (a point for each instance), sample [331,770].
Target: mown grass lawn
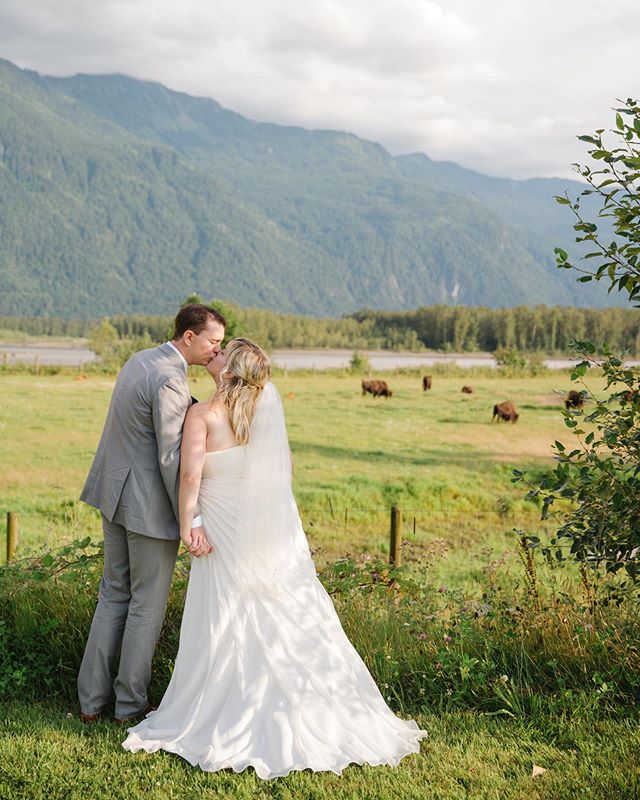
[44,755]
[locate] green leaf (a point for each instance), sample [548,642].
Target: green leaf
[590,139]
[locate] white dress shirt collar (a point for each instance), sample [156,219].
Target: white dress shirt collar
[171,344]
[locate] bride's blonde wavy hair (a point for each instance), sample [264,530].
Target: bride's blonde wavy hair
[244,376]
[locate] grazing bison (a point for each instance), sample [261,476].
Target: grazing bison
[574,400]
[426,383]
[506,411]
[376,388]
[467,390]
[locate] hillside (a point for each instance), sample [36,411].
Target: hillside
[119,195]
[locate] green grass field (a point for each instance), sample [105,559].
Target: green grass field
[505,671]
[436,454]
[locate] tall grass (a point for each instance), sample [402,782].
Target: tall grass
[517,645]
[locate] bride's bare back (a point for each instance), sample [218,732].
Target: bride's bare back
[206,430]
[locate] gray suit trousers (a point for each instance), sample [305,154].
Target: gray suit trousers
[128,620]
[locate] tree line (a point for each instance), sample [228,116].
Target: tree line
[449,328]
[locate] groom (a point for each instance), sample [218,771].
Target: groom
[134,482]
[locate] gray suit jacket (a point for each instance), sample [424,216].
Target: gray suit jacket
[134,476]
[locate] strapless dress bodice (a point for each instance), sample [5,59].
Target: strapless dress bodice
[225,464]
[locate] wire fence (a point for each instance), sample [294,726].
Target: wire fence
[412,530]
[399,532]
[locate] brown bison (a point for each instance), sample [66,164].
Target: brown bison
[506,411]
[574,400]
[426,383]
[376,388]
[467,390]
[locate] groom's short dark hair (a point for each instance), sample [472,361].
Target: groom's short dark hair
[195,317]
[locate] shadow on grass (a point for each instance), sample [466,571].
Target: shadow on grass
[534,407]
[472,458]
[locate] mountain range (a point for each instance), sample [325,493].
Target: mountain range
[119,195]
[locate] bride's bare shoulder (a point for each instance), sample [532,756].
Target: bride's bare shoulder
[204,412]
[208,412]
[205,407]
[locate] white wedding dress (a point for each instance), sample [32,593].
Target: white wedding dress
[265,676]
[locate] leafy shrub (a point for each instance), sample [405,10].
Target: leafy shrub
[597,483]
[517,648]
[515,362]
[359,363]
[599,480]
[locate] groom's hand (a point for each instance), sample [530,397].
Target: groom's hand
[199,545]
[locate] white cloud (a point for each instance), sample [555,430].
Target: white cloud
[502,86]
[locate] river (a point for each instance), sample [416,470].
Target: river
[289,359]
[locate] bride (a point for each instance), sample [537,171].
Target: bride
[265,677]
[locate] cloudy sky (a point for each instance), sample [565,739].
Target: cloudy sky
[501,86]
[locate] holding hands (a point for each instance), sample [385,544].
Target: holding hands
[196,542]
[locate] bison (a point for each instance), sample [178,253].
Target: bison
[376,388]
[426,383]
[467,390]
[506,411]
[574,400]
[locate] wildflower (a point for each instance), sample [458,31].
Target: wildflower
[422,636]
[442,590]
[438,666]
[421,691]
[447,638]
[504,678]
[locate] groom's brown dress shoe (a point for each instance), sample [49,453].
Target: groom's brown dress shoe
[136,717]
[87,718]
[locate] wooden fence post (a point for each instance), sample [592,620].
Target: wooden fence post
[12,534]
[395,538]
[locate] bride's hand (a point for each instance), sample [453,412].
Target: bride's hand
[196,542]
